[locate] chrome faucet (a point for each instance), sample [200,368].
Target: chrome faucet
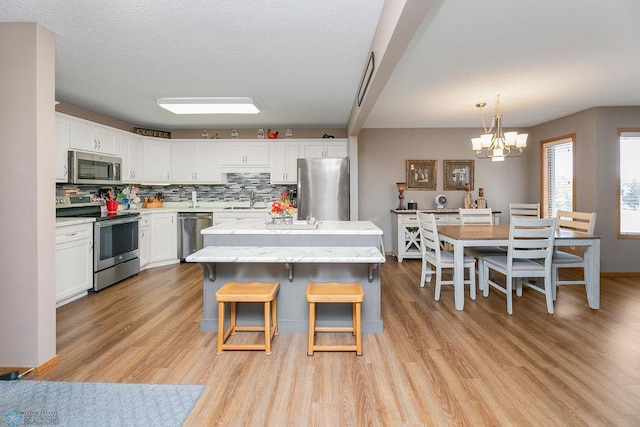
[252,198]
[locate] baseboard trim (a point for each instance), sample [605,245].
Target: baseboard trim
[48,365]
[37,370]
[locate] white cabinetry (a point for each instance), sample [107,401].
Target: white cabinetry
[74,262]
[156,159]
[323,148]
[144,234]
[88,136]
[244,156]
[164,238]
[195,162]
[62,149]
[405,236]
[284,162]
[130,151]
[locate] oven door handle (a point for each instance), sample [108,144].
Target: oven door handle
[116,222]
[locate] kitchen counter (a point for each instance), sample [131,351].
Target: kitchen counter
[258,227]
[245,250]
[62,222]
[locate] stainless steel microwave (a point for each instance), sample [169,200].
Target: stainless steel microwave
[93,168]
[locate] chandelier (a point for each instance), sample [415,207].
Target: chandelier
[495,144]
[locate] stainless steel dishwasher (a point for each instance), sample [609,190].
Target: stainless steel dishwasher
[189,226]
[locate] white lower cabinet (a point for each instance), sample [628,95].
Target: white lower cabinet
[163,240]
[74,262]
[405,235]
[144,235]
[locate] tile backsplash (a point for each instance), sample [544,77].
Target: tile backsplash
[237,189]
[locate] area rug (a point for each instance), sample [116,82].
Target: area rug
[25,403]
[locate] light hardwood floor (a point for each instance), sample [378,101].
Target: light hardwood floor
[433,365]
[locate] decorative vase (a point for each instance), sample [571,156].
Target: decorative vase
[283,219]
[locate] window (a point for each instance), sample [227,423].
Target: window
[557,175]
[628,183]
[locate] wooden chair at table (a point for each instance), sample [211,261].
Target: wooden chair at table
[528,255]
[581,222]
[434,256]
[479,217]
[524,209]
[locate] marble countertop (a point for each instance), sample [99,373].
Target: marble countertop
[215,207]
[280,254]
[258,226]
[433,211]
[62,222]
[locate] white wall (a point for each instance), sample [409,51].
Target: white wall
[27,226]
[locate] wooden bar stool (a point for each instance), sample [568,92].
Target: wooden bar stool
[235,292]
[334,292]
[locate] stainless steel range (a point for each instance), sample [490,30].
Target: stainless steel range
[115,238]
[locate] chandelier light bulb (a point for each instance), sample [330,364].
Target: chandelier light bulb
[494,143]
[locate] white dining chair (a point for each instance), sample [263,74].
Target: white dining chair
[528,255]
[581,222]
[434,259]
[524,209]
[479,217]
[476,216]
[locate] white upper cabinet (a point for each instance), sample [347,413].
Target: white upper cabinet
[195,162]
[130,151]
[156,160]
[244,155]
[62,149]
[284,162]
[323,148]
[87,136]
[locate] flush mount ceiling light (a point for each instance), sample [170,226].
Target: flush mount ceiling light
[497,145]
[210,105]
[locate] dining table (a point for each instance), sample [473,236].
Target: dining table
[464,236]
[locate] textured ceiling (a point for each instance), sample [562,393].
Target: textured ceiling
[546,58]
[303,60]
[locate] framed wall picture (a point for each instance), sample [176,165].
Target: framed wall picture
[457,173]
[422,174]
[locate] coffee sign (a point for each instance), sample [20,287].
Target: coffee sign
[152,132]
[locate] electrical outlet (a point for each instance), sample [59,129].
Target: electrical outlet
[573,248]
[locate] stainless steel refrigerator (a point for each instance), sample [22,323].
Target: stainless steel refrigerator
[323,189]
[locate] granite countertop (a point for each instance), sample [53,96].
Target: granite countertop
[280,254]
[258,226]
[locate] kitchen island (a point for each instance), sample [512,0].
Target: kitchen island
[246,250]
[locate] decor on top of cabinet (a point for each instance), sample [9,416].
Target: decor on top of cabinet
[421,174]
[481,202]
[272,135]
[457,174]
[401,186]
